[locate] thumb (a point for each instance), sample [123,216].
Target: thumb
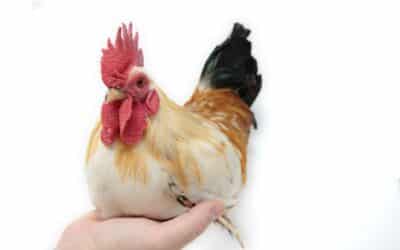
[181,230]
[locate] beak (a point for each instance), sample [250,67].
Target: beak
[114,95]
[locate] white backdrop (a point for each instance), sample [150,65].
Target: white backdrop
[324,164]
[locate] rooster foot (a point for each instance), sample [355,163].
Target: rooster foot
[223,220]
[226,223]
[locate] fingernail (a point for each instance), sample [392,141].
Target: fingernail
[217,210]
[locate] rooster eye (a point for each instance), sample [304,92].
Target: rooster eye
[140,83]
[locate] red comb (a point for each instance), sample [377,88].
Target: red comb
[118,58]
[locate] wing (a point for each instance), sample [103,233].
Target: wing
[212,170]
[229,113]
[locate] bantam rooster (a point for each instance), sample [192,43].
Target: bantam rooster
[150,157]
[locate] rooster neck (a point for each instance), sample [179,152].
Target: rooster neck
[170,132]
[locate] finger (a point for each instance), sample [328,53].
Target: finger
[177,232]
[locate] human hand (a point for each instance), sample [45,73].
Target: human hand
[90,233]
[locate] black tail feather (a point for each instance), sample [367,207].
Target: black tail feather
[231,65]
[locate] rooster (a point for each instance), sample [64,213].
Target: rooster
[148,156]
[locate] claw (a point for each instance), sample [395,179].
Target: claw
[225,222]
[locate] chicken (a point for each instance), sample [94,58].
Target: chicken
[148,156]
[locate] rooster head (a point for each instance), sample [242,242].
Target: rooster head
[131,96]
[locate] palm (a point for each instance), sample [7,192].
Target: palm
[137,233]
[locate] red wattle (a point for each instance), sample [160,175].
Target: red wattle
[127,118]
[125,112]
[134,127]
[109,120]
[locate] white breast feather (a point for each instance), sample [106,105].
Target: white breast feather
[221,179]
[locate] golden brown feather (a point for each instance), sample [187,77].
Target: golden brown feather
[229,113]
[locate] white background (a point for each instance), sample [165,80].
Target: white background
[324,165]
